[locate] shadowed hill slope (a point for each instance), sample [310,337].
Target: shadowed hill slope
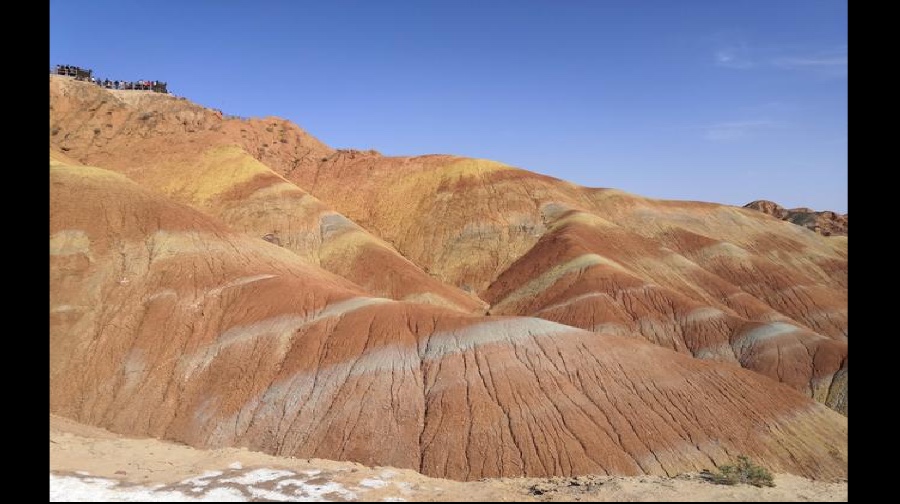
[164,322]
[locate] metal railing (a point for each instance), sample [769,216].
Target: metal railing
[72,71]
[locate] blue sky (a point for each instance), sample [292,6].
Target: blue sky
[724,101]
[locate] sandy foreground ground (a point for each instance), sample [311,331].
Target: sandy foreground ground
[91,464]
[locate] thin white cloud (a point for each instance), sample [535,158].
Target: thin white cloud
[833,61]
[736,130]
[733,57]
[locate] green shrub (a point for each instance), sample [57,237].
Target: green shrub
[744,472]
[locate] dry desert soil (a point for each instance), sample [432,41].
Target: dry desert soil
[92,464]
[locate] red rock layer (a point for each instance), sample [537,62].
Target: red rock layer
[826,223]
[166,323]
[195,156]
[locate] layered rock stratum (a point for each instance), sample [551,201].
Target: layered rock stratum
[223,282]
[826,223]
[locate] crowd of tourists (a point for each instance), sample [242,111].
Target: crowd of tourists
[87,75]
